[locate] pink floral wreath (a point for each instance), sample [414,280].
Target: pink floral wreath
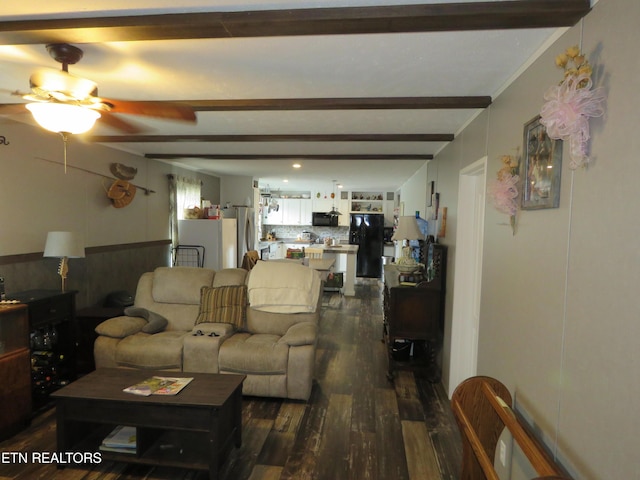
[569,106]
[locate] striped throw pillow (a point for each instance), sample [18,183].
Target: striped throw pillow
[226,304]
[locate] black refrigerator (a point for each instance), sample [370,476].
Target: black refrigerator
[366,231]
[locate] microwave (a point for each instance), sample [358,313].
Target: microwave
[323,219]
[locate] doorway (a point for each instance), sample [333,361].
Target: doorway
[468,274]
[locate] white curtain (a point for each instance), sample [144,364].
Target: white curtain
[184,193]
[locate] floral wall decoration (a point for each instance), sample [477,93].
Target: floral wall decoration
[504,190]
[569,105]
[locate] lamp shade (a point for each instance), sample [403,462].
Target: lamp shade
[407,229]
[64,244]
[63,118]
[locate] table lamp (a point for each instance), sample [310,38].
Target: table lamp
[407,230]
[64,245]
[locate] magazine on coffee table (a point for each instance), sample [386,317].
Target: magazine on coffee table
[158,386]
[122,439]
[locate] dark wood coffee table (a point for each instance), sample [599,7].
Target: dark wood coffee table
[194,429]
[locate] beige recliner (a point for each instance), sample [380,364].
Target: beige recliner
[274,346]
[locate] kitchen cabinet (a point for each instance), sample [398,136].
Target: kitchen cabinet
[296,211]
[305,211]
[344,220]
[289,211]
[273,214]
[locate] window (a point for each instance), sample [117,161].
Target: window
[184,193]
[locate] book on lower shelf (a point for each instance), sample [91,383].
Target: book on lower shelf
[159,386]
[122,439]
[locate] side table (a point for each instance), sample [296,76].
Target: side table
[87,320]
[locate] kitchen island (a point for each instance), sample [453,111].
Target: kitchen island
[351,252]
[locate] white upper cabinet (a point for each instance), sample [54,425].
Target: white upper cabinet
[297,211]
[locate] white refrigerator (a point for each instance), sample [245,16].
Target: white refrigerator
[245,217]
[218,237]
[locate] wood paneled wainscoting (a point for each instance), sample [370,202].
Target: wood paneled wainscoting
[104,269]
[356,425]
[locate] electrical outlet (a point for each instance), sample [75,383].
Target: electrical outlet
[503,453]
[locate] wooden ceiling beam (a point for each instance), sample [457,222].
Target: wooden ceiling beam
[349,137]
[305,21]
[329,103]
[365,156]
[340,103]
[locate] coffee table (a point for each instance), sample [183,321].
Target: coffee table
[194,429]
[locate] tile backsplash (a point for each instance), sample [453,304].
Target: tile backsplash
[292,231]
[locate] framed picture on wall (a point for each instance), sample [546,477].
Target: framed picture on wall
[541,168]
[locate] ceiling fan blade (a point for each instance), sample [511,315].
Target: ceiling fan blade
[47,81]
[124,126]
[157,109]
[13,108]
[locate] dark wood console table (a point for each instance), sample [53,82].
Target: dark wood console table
[52,316]
[414,315]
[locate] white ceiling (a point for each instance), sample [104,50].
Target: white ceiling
[468,63]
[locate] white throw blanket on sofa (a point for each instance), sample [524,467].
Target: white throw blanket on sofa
[283,287]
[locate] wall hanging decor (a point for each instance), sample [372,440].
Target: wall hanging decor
[569,105]
[504,190]
[541,168]
[123,172]
[121,193]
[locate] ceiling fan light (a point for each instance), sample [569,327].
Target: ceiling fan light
[62,118]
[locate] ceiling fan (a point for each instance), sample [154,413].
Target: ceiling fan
[79,97]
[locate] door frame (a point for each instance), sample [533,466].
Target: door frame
[467,286]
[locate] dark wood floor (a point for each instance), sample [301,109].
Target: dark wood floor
[357,424]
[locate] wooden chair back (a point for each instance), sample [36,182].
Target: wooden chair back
[482,409]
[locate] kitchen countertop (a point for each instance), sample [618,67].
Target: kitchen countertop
[267,243]
[340,248]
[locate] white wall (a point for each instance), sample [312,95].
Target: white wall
[235,189]
[559,311]
[413,193]
[37,195]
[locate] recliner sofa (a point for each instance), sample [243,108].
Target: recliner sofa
[273,342]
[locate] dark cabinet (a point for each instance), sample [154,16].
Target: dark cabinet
[414,313]
[52,340]
[15,384]
[87,320]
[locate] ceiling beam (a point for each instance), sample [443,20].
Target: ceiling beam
[341,103]
[329,103]
[349,137]
[364,156]
[305,21]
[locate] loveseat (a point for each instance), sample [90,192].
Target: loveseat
[262,323]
